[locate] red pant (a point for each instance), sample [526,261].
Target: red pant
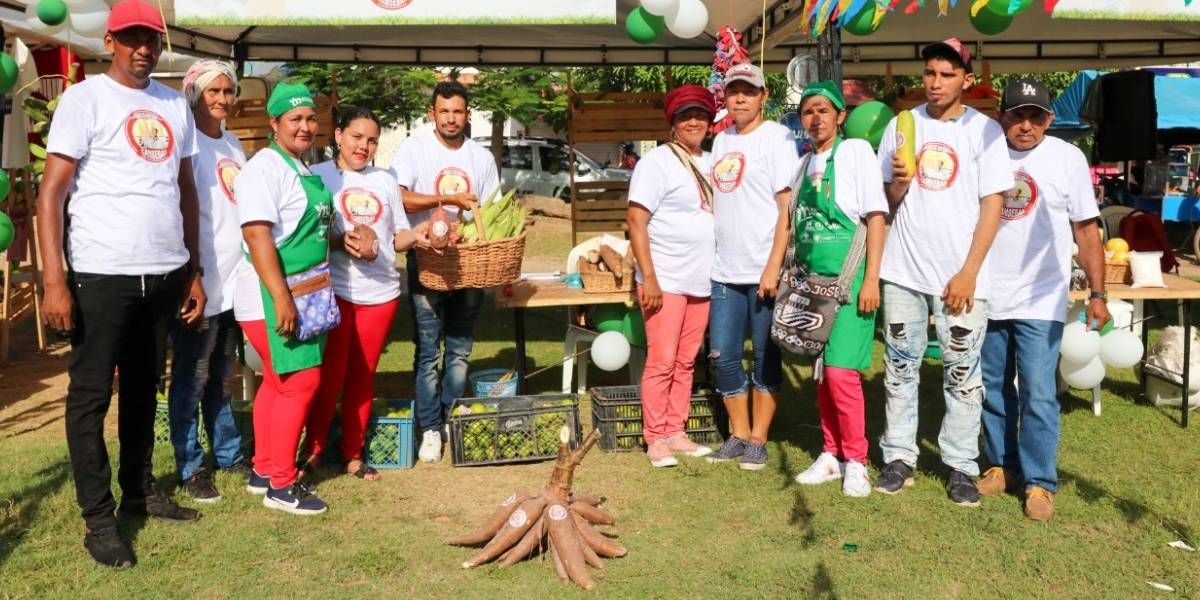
[280,409]
[843,414]
[351,355]
[673,336]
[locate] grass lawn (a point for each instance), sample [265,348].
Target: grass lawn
[1128,489]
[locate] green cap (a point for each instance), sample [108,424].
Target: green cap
[287,96]
[828,89]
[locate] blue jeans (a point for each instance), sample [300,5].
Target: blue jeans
[906,313]
[434,314]
[202,363]
[733,309]
[1020,406]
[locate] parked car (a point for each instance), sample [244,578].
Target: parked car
[539,166]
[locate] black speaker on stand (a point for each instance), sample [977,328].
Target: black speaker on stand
[1128,121]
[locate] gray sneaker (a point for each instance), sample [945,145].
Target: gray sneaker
[731,449]
[754,458]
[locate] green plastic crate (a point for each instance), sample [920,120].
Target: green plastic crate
[617,415]
[511,430]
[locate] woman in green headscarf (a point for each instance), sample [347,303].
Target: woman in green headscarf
[285,211]
[841,190]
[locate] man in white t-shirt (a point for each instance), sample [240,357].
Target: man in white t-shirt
[1030,268]
[442,168]
[945,217]
[121,146]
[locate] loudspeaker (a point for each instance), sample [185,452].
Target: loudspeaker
[1128,124]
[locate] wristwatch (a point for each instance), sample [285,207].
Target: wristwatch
[1098,296]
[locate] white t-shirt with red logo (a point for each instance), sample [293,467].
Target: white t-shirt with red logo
[748,170]
[124,209]
[426,166]
[214,169]
[682,238]
[856,181]
[266,190]
[959,162]
[1031,258]
[370,197]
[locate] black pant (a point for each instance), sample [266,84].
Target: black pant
[120,321]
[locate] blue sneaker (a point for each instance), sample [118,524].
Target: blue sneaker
[257,484]
[754,458]
[731,449]
[298,499]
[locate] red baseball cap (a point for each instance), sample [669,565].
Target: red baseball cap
[951,49]
[135,13]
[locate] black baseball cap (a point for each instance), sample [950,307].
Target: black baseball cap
[1025,91]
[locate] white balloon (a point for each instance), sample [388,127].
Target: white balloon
[1120,348]
[1084,376]
[689,19]
[252,359]
[91,23]
[1079,345]
[36,25]
[610,350]
[661,8]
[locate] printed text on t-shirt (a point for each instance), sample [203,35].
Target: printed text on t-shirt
[360,205]
[149,136]
[937,166]
[1020,201]
[728,171]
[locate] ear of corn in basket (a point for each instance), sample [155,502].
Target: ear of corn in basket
[503,218]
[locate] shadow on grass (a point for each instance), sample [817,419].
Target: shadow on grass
[822,584]
[1133,511]
[801,518]
[20,512]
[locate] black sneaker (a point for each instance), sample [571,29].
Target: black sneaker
[239,469]
[754,458]
[156,504]
[257,484]
[894,477]
[733,447]
[107,548]
[200,487]
[962,489]
[298,499]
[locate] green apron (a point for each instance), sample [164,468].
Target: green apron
[305,248]
[823,237]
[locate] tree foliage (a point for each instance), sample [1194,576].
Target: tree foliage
[395,94]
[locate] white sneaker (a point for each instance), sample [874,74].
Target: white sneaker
[431,447]
[826,468]
[855,484]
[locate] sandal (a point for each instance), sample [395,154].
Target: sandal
[307,467]
[364,471]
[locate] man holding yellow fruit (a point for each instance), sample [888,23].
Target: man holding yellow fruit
[1030,271]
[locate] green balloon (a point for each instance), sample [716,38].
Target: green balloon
[8,73]
[609,317]
[634,327]
[643,27]
[52,12]
[867,122]
[5,185]
[6,232]
[863,23]
[1002,7]
[990,23]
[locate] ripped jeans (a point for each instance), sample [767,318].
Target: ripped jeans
[906,314]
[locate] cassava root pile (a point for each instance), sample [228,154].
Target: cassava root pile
[555,522]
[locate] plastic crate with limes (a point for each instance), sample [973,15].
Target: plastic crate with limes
[494,431]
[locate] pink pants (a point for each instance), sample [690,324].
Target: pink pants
[280,410]
[351,355]
[843,415]
[673,336]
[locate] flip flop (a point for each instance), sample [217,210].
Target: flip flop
[365,470]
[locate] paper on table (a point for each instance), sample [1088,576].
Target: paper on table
[543,276]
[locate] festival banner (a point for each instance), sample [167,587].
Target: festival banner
[1128,10]
[394,12]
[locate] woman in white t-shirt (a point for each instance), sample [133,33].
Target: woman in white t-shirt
[671,229]
[369,227]
[839,194]
[204,358]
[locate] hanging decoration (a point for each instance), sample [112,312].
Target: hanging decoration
[729,52]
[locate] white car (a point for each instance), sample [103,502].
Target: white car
[538,166]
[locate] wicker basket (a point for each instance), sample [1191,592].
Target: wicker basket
[606,282]
[478,265]
[1116,272]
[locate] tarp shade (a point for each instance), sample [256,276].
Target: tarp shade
[1067,105]
[1178,101]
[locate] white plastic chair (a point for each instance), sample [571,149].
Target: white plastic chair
[577,335]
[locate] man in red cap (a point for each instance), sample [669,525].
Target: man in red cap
[945,217]
[121,145]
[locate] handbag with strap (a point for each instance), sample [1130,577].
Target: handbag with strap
[702,182]
[806,304]
[316,308]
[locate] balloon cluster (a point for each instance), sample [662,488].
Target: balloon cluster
[684,18]
[1085,352]
[991,17]
[729,52]
[88,18]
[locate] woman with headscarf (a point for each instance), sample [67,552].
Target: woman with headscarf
[369,228]
[204,358]
[671,228]
[841,189]
[285,211]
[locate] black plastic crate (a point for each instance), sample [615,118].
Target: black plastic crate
[497,431]
[617,415]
